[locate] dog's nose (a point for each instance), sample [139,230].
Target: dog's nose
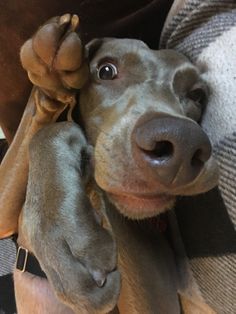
[171,149]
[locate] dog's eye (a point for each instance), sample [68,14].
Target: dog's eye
[107,71]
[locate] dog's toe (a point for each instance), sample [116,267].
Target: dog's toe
[69,56]
[48,40]
[82,291]
[30,60]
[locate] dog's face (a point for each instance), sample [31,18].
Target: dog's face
[141,110]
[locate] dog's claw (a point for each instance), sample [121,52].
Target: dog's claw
[74,22]
[64,19]
[99,277]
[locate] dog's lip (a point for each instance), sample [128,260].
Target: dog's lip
[142,205]
[148,196]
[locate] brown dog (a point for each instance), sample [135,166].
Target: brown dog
[153,100]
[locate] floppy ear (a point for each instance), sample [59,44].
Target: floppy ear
[188,83]
[92,47]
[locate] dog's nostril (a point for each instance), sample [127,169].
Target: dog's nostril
[163,150]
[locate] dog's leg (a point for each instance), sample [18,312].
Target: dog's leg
[53,59]
[14,168]
[147,266]
[59,224]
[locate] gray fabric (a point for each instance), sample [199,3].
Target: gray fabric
[197,25]
[210,244]
[205,31]
[7,256]
[226,154]
[216,285]
[195,28]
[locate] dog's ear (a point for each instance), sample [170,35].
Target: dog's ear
[188,83]
[92,47]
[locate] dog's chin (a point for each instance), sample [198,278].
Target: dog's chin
[140,207]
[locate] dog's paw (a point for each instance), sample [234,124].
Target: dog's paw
[79,257]
[54,58]
[82,269]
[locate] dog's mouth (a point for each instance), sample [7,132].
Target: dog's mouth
[142,206]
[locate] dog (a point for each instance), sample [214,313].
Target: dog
[83,271]
[152,99]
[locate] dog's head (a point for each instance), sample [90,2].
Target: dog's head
[141,110]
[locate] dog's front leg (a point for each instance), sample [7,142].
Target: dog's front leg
[59,224]
[14,168]
[53,58]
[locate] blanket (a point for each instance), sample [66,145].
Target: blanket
[205,31]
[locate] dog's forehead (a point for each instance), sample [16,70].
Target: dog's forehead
[124,44]
[121,48]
